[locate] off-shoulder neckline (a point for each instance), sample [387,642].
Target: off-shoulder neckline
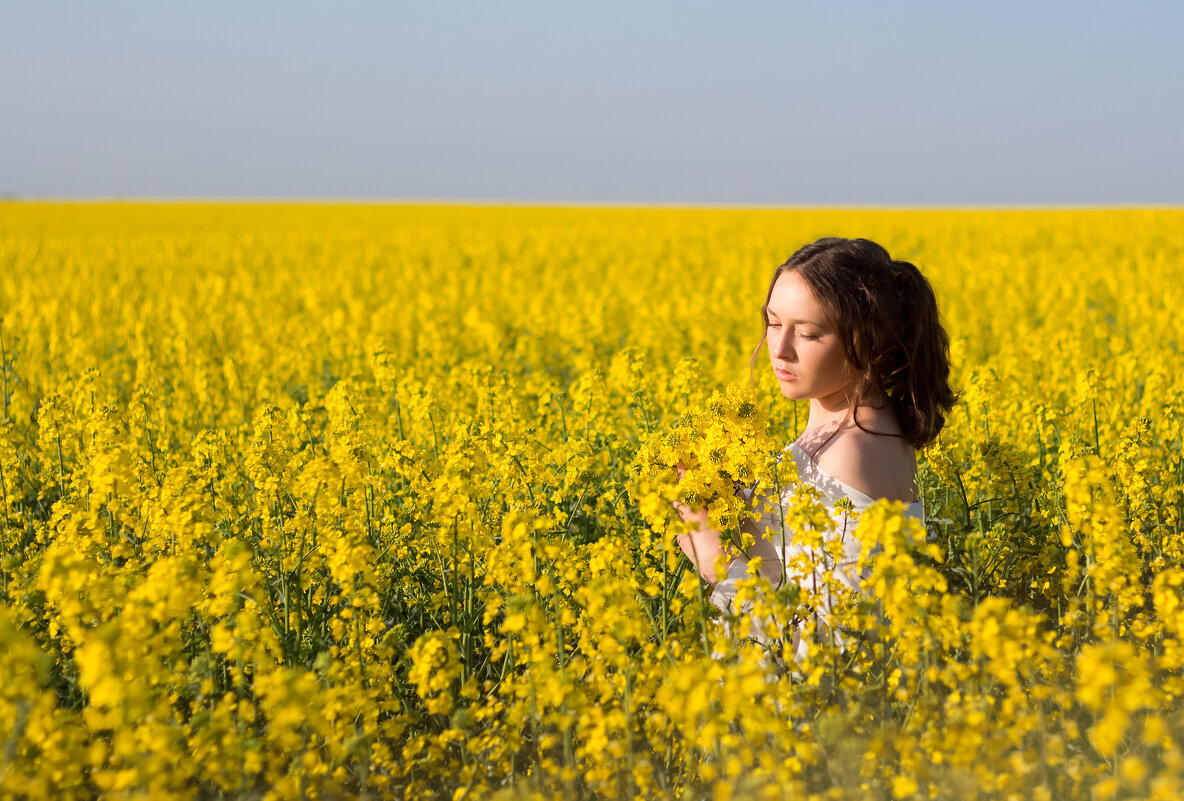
[847,487]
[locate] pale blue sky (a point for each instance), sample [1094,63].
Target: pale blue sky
[1000,103]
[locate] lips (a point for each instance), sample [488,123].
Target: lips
[784,375]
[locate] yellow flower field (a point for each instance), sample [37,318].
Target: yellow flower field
[368,501]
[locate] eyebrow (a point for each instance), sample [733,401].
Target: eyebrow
[769,313]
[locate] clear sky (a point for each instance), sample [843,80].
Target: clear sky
[921,103]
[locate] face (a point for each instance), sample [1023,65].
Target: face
[803,348]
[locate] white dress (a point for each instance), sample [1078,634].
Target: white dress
[776,549]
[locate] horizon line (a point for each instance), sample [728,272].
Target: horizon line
[559,204]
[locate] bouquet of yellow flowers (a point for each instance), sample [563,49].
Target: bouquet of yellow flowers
[712,456]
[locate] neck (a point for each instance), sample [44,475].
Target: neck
[834,411]
[829,410]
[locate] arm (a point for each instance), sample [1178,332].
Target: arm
[702,544]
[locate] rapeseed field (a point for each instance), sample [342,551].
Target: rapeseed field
[333,501]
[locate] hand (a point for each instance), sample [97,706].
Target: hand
[683,510]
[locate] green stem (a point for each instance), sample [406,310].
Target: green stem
[4,369]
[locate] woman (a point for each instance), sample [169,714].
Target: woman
[858,334]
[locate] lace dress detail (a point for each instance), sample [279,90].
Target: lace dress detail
[776,549]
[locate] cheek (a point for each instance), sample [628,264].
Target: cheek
[837,364]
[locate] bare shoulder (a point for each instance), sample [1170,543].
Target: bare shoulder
[877,465]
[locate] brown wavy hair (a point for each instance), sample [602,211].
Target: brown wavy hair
[885,315]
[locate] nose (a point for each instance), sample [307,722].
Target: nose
[782,344]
